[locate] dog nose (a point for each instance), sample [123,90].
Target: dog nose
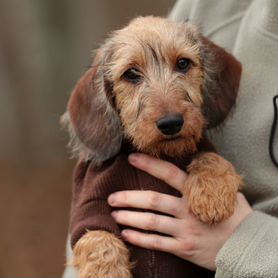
[170,125]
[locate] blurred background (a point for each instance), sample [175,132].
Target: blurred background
[45,46]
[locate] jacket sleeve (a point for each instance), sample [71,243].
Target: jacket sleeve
[252,250]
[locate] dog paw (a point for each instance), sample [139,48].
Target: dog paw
[211,209]
[211,188]
[101,254]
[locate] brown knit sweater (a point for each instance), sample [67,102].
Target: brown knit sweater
[90,211]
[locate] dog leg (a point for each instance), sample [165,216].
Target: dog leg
[211,188]
[100,254]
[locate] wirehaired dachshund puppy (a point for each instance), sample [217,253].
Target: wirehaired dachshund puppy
[157,86]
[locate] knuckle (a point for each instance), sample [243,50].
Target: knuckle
[194,229]
[152,222]
[125,198]
[154,200]
[175,211]
[187,247]
[156,243]
[172,173]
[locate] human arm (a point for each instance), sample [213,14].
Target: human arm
[246,28]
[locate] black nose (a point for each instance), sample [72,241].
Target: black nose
[170,125]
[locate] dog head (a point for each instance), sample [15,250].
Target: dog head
[158,84]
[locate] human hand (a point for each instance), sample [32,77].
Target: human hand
[188,238]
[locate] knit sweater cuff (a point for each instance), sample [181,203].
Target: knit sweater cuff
[91,216]
[246,253]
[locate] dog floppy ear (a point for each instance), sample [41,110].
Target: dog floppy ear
[221,82]
[92,121]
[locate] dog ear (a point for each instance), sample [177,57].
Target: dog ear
[222,74]
[92,121]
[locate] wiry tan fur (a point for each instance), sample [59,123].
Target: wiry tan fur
[211,188]
[165,91]
[99,254]
[104,108]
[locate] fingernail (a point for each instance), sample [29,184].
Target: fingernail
[133,158]
[111,199]
[124,233]
[114,214]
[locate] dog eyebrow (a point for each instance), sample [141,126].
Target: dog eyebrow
[91,66]
[153,53]
[190,99]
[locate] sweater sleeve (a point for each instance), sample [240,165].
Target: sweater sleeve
[90,210]
[252,251]
[91,216]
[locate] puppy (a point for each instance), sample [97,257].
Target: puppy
[155,87]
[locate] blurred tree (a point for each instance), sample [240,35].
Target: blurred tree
[45,46]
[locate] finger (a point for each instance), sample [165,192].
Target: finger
[151,241]
[149,200]
[147,221]
[160,169]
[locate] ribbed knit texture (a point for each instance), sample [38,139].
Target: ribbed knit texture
[90,211]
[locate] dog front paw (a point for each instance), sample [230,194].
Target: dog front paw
[100,254]
[211,188]
[209,207]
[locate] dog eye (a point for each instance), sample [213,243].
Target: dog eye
[183,65]
[132,75]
